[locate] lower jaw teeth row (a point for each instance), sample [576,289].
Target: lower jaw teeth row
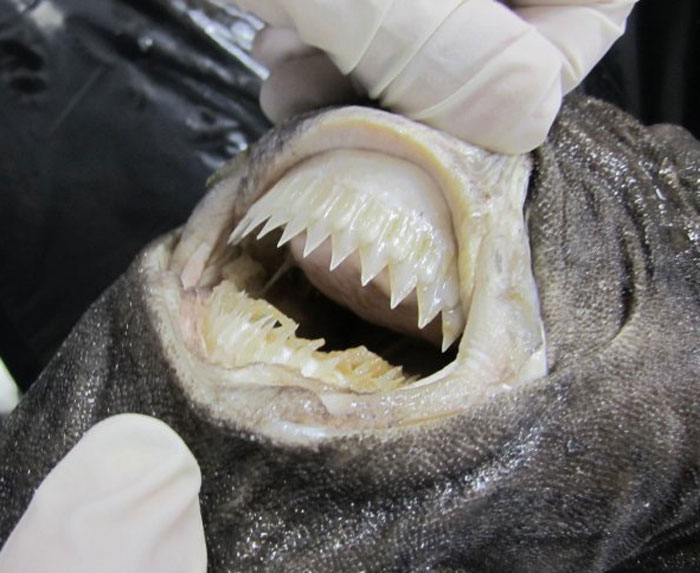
[418,253]
[238,331]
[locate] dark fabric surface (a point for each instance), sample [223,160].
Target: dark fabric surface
[112,116]
[652,72]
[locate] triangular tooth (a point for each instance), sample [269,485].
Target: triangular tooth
[429,303]
[344,209]
[370,222]
[331,363]
[293,228]
[366,366]
[355,220]
[342,245]
[238,330]
[403,281]
[317,343]
[399,238]
[450,288]
[254,344]
[315,235]
[322,210]
[390,379]
[429,261]
[372,260]
[254,218]
[244,227]
[277,220]
[265,326]
[296,188]
[237,232]
[275,350]
[453,323]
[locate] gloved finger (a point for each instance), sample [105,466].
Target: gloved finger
[475,69]
[270,11]
[125,498]
[338,27]
[581,32]
[302,84]
[273,46]
[483,72]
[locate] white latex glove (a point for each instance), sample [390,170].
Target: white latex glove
[124,499]
[9,393]
[492,73]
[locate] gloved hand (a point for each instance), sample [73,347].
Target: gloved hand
[125,498]
[491,73]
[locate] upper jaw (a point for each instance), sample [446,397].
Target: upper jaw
[502,345]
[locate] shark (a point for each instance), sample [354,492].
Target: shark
[389,350]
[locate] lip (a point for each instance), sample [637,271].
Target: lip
[502,346]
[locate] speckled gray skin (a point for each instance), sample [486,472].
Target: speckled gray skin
[594,468]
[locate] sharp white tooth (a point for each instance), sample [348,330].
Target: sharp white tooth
[277,220]
[342,244]
[452,326]
[299,188]
[254,224]
[429,303]
[244,227]
[316,343]
[254,344]
[450,291]
[237,232]
[370,222]
[428,259]
[400,242]
[366,366]
[359,212]
[254,218]
[403,280]
[377,253]
[344,209]
[428,269]
[326,201]
[315,235]
[391,379]
[276,351]
[238,330]
[372,260]
[293,228]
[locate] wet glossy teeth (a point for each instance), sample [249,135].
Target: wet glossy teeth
[238,331]
[385,209]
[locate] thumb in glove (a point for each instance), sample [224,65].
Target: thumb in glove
[125,498]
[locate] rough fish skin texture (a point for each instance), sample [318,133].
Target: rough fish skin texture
[595,467]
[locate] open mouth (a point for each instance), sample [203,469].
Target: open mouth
[356,271]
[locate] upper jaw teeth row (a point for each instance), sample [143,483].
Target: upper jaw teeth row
[413,244]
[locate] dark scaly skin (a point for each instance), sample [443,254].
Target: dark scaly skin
[594,468]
